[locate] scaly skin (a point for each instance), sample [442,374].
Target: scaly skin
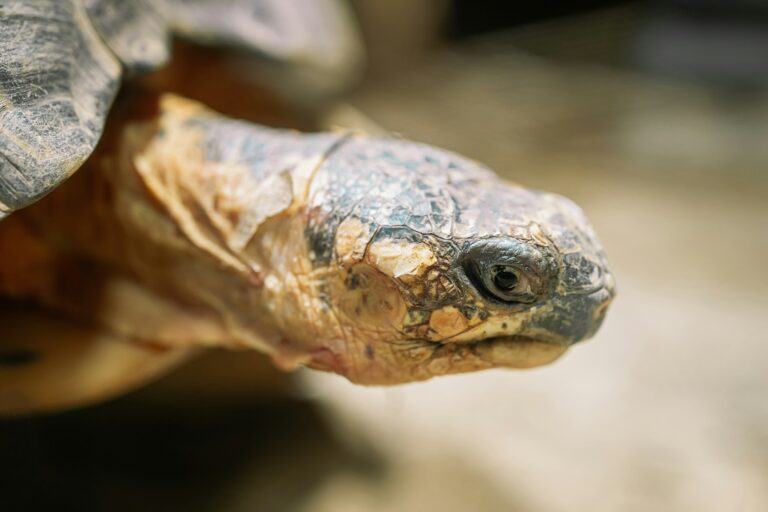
[370,257]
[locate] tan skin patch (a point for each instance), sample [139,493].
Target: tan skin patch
[491,327]
[351,239]
[447,322]
[400,258]
[375,301]
[521,354]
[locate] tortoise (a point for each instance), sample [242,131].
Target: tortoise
[383,260]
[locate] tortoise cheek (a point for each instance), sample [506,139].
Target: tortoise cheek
[370,298]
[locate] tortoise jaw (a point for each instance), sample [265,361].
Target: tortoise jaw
[429,359]
[509,351]
[518,351]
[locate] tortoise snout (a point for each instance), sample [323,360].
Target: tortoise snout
[575,317]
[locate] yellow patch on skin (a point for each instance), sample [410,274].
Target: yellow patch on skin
[351,239]
[520,354]
[447,322]
[401,258]
[491,327]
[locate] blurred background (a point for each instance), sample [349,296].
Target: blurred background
[653,116]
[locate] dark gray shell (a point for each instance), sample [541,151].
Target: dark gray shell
[61,64]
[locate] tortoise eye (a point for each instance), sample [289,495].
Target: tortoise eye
[505,278]
[507,283]
[503,270]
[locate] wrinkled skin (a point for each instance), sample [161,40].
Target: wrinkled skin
[383,260]
[416,234]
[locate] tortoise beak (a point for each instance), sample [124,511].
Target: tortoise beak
[574,316]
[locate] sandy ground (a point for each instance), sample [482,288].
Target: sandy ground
[664,410]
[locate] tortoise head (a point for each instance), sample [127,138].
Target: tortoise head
[438,266]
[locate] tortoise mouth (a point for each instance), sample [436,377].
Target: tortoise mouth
[518,351]
[521,338]
[509,351]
